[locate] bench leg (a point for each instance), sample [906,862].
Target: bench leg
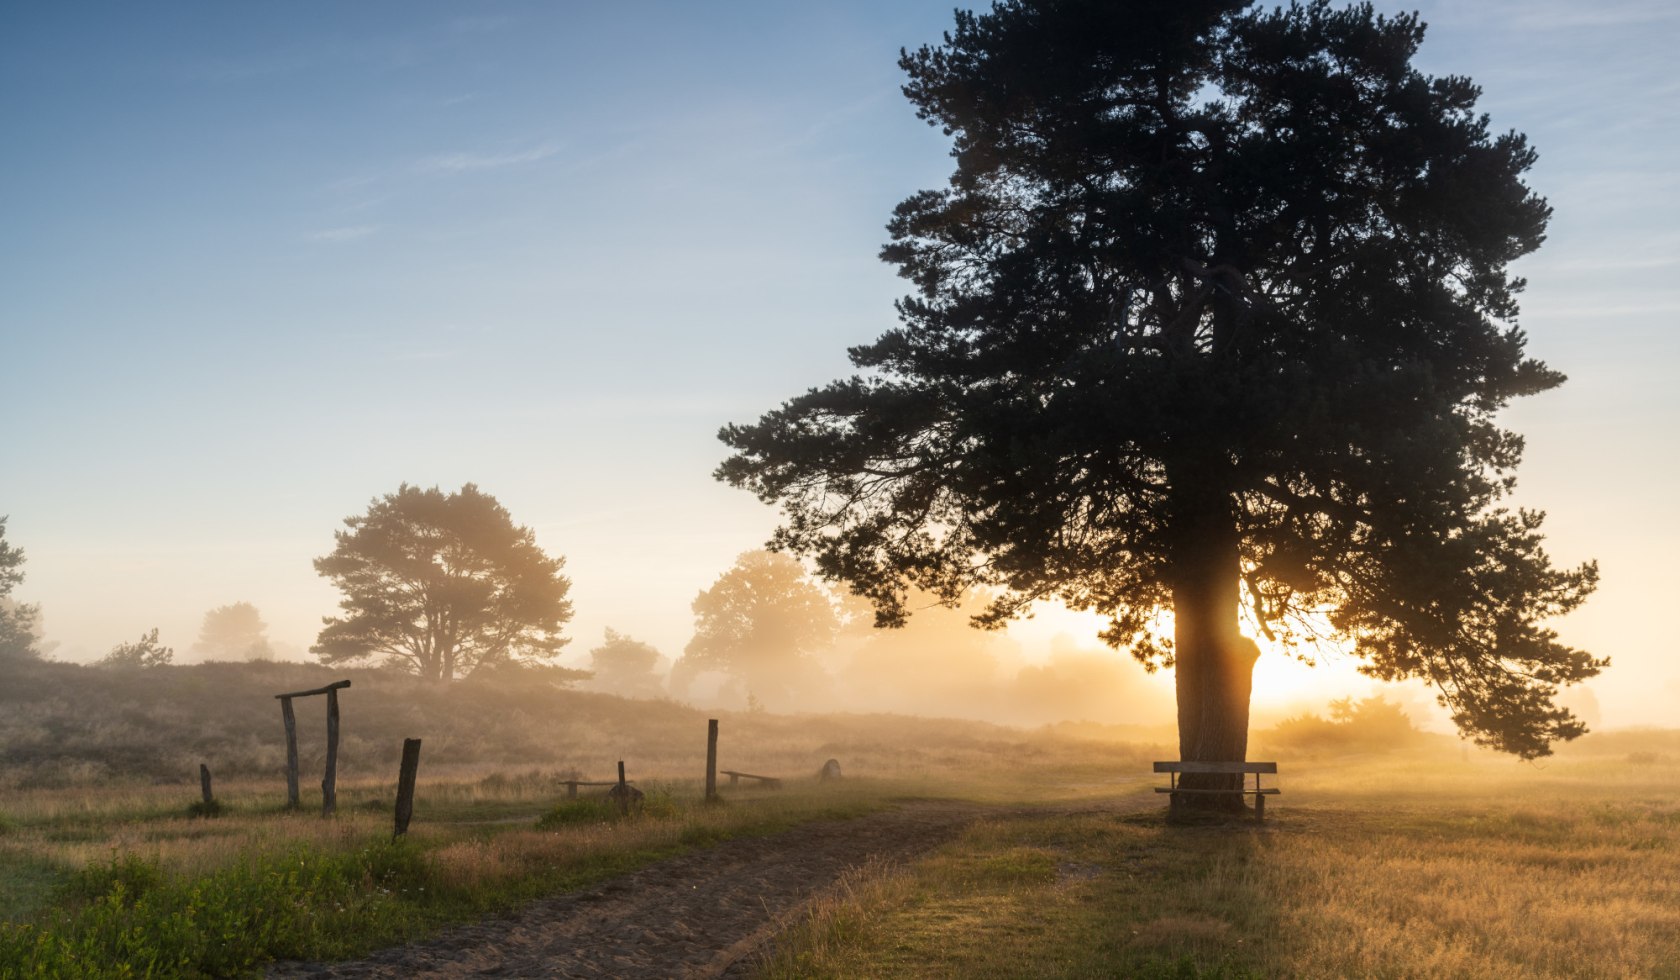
[1259,809]
[571,791]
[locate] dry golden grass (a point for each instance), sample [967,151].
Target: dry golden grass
[1439,867]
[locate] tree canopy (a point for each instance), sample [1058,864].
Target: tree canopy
[143,653]
[626,666]
[17,620]
[1214,316]
[442,585]
[761,621]
[234,632]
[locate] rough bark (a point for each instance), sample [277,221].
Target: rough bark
[1214,670]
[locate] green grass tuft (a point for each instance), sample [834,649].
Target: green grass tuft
[577,813]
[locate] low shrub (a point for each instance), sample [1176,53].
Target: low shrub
[573,813]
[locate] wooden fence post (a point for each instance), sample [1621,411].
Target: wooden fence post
[291,753]
[405,785]
[711,760]
[623,791]
[204,785]
[329,783]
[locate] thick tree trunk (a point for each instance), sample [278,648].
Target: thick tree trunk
[1214,669]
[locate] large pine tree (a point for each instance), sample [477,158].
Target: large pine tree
[1214,317]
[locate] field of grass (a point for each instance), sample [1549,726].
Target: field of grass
[1448,867]
[98,885]
[1433,863]
[100,875]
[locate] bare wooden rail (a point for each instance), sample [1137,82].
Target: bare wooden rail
[334,686]
[769,782]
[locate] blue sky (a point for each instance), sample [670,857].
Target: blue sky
[260,264]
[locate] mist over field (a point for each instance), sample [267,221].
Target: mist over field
[1140,488]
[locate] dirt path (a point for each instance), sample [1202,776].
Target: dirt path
[699,915]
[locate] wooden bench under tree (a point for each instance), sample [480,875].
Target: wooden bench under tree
[1239,769]
[769,782]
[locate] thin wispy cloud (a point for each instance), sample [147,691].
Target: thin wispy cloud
[460,163]
[345,234]
[1576,16]
[1604,312]
[1616,264]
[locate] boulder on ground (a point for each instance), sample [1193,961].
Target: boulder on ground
[634,794]
[829,770]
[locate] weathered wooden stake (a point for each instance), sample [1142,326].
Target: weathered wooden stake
[329,783]
[291,753]
[711,760]
[405,785]
[204,784]
[623,791]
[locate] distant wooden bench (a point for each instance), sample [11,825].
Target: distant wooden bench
[1177,769]
[769,782]
[572,785]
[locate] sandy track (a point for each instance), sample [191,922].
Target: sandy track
[699,915]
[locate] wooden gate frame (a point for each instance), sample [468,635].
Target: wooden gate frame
[329,783]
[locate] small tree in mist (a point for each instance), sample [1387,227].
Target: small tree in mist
[1373,724]
[625,666]
[18,622]
[442,585]
[233,632]
[1215,317]
[761,621]
[145,652]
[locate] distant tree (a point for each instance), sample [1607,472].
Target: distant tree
[1373,724]
[442,585]
[233,632]
[761,621]
[1213,317]
[143,653]
[18,622]
[626,666]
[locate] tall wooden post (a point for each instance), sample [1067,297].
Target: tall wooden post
[329,783]
[204,784]
[291,753]
[623,791]
[711,760]
[405,785]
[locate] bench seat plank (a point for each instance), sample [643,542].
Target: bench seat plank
[1216,767]
[1249,792]
[735,775]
